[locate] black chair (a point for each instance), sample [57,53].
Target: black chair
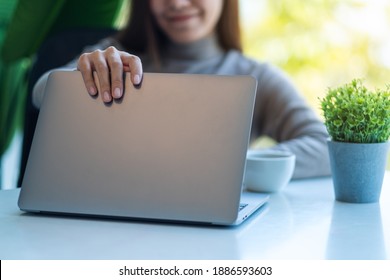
[55,52]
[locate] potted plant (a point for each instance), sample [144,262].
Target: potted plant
[358,122]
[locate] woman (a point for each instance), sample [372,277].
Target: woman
[202,36]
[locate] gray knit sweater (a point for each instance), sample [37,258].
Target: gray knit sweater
[280,111]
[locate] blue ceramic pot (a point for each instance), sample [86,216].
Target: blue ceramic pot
[357,170]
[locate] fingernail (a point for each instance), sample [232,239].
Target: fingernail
[92,91]
[137,79]
[106,96]
[117,93]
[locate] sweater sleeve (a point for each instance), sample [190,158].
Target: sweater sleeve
[282,114]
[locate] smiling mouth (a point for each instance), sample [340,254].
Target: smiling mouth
[181,18]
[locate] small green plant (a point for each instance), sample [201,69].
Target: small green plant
[355,114]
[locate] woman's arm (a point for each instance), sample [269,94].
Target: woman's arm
[282,114]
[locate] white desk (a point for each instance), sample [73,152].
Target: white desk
[302,222]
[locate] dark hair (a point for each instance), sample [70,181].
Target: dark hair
[142,34]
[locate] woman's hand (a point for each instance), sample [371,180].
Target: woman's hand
[109,65]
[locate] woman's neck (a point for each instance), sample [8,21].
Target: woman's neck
[200,50]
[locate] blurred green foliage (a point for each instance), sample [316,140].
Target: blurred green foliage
[321,43]
[11,88]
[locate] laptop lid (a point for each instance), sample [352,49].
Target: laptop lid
[173,149]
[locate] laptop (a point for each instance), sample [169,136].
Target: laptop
[173,149]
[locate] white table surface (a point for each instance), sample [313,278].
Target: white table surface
[301,222]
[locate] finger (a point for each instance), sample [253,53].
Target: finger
[101,67]
[116,72]
[133,65]
[85,67]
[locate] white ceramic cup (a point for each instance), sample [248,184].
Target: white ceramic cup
[268,171]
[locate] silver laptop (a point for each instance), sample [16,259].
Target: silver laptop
[173,149]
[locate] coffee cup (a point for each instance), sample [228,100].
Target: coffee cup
[268,171]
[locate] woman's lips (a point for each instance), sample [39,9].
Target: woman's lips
[180,18]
